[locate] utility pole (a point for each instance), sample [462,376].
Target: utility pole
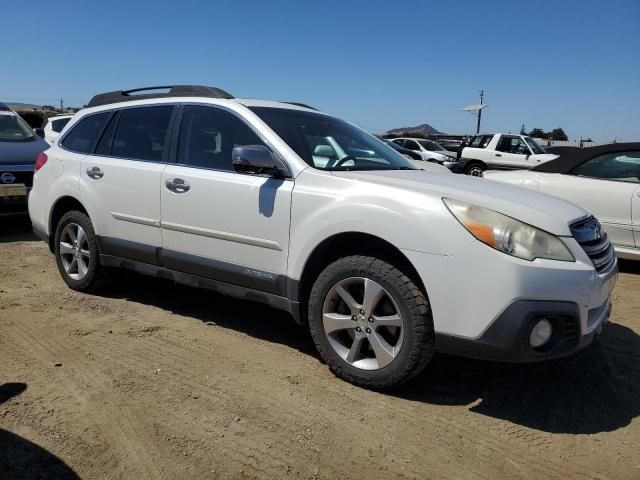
[61,105]
[480,111]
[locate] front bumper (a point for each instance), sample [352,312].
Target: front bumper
[507,339]
[484,303]
[455,167]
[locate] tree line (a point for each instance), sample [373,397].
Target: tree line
[555,134]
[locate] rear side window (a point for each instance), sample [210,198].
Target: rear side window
[208,136]
[480,141]
[84,134]
[141,133]
[58,125]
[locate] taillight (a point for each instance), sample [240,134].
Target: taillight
[41,160]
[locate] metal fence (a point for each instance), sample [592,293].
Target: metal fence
[569,143]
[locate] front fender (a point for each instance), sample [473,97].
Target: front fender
[324,206]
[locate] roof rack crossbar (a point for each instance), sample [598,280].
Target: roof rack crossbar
[173,91]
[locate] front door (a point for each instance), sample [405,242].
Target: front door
[217,223]
[511,153]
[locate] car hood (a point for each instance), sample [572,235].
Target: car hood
[540,210]
[21,153]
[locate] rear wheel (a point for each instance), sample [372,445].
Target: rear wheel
[76,251]
[371,324]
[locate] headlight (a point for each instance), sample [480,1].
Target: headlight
[506,234]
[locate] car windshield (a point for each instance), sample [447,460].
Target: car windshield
[431,146]
[534,145]
[328,143]
[13,128]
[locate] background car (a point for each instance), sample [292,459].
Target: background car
[19,148]
[54,126]
[499,151]
[417,160]
[404,151]
[605,180]
[427,149]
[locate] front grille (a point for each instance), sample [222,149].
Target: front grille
[595,242]
[21,177]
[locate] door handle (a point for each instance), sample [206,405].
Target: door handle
[95,173]
[177,185]
[498,154]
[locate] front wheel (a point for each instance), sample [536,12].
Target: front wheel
[370,322]
[475,170]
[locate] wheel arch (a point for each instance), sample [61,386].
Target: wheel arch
[470,163]
[61,206]
[342,245]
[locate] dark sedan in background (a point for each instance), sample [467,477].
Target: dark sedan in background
[19,148]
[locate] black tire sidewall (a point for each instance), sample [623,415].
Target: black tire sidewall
[402,368]
[90,278]
[473,166]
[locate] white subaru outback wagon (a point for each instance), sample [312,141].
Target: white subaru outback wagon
[385,263]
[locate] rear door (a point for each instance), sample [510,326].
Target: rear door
[217,223]
[511,153]
[121,181]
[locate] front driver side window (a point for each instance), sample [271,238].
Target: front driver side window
[618,166]
[208,136]
[512,145]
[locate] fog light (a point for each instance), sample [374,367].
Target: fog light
[541,333]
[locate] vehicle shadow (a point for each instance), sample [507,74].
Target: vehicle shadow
[255,319]
[593,391]
[22,459]
[16,229]
[596,390]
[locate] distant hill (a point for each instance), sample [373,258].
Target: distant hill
[424,129]
[19,105]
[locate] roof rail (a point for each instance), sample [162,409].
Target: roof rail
[173,91]
[303,105]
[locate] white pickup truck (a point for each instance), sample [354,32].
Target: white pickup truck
[499,151]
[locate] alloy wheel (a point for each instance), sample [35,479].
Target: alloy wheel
[363,323]
[74,251]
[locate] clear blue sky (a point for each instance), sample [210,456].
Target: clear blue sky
[379,64]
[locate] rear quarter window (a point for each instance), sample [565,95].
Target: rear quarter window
[58,125]
[84,134]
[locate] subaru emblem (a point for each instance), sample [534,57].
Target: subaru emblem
[7,178]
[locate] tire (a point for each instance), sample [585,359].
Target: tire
[85,252]
[475,169]
[412,338]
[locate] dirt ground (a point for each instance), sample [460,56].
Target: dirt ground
[152,380]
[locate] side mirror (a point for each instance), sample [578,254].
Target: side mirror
[256,160]
[39,132]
